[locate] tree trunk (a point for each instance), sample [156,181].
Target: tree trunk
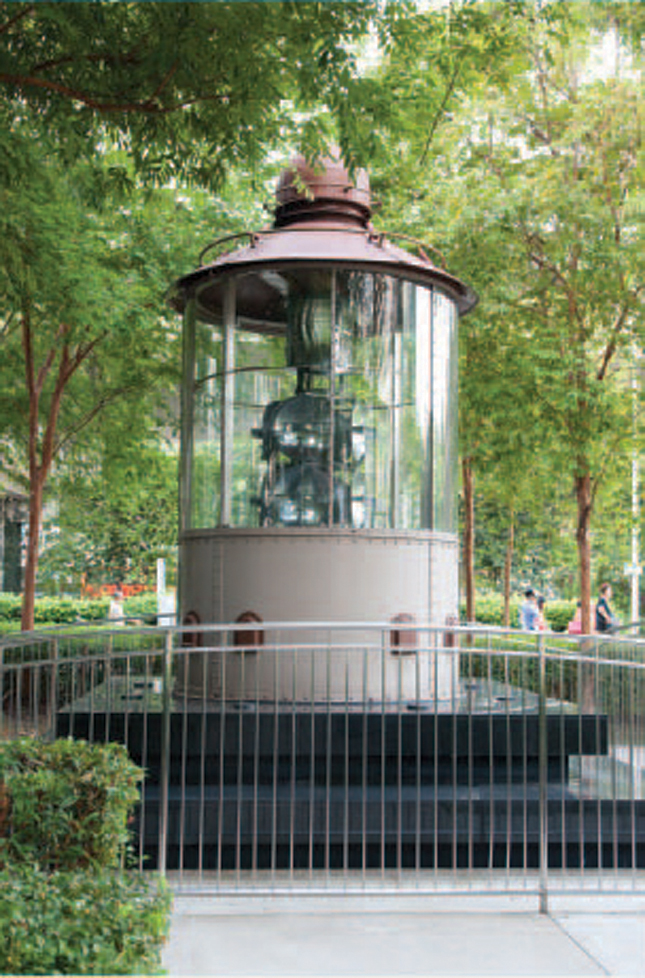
[587,671]
[508,564]
[469,537]
[584,505]
[31,565]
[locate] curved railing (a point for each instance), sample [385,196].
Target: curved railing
[353,755]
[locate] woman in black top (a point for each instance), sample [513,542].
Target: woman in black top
[605,617]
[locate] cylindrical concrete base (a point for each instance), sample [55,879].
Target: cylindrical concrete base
[300,575]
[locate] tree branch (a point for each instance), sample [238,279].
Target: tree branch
[8,24]
[147,106]
[103,402]
[440,111]
[616,329]
[49,359]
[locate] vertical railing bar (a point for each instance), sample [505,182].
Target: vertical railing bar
[35,696]
[454,717]
[435,773]
[54,696]
[218,641]
[427,642]
[365,755]
[491,758]
[241,660]
[144,721]
[165,752]
[399,768]
[294,761]
[312,764]
[276,748]
[383,751]
[255,843]
[617,722]
[564,761]
[509,777]
[346,779]
[328,762]
[637,681]
[183,671]
[525,673]
[202,753]
[580,692]
[108,687]
[543,777]
[599,801]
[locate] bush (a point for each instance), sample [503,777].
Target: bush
[65,906]
[489,610]
[80,923]
[143,606]
[559,614]
[65,805]
[10,607]
[66,611]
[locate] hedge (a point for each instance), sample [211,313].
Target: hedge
[66,905]
[489,610]
[64,611]
[65,804]
[79,923]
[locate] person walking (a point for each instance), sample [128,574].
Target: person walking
[606,620]
[115,612]
[529,612]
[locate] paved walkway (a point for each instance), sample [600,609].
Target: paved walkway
[349,935]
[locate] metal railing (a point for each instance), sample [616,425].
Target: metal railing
[353,754]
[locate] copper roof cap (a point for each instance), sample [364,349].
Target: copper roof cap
[322,192]
[321,217]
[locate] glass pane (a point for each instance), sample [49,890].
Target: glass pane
[205,510]
[324,397]
[444,413]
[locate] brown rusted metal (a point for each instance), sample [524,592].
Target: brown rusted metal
[322,217]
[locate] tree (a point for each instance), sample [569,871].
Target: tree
[171,82]
[172,87]
[538,189]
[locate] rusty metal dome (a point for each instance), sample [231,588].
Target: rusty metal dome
[322,216]
[322,192]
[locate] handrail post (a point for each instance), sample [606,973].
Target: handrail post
[543,777]
[165,753]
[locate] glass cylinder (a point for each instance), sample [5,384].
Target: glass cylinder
[319,396]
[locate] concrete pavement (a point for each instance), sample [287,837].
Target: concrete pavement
[351,935]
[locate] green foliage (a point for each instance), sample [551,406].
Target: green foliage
[61,611]
[143,75]
[489,609]
[10,605]
[65,905]
[65,804]
[81,923]
[142,607]
[559,614]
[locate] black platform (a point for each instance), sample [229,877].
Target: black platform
[302,786]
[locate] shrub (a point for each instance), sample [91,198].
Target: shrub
[143,606]
[64,805]
[489,610]
[81,923]
[65,906]
[66,611]
[10,607]
[559,614]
